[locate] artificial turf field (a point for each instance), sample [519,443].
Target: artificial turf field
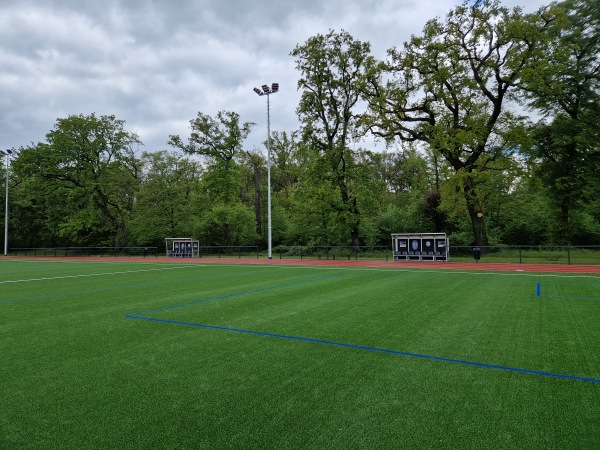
[159,355]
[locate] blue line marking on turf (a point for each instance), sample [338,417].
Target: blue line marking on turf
[140,316]
[367,348]
[538,290]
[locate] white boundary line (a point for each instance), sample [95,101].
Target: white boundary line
[108,261]
[95,274]
[404,270]
[518,273]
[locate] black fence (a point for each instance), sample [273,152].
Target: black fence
[528,254]
[581,255]
[244,251]
[86,251]
[333,252]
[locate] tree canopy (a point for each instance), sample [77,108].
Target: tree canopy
[490,117]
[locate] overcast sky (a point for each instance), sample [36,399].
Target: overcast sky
[156,63]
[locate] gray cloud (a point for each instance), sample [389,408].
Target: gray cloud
[155,64]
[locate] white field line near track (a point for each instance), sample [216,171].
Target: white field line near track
[96,262]
[401,270]
[94,274]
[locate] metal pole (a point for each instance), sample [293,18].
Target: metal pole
[6,210]
[266,90]
[270,252]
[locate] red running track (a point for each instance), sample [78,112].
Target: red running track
[505,267]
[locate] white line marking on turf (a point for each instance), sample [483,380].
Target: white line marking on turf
[400,270]
[93,274]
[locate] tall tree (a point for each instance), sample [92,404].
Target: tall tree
[252,164]
[449,87]
[220,141]
[564,84]
[166,203]
[87,175]
[331,67]
[285,164]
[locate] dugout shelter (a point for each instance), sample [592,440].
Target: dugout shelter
[420,247]
[182,247]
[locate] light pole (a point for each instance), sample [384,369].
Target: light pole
[7,153]
[266,90]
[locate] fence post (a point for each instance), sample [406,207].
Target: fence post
[569,254]
[520,258]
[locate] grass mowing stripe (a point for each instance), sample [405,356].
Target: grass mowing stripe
[112,381]
[538,293]
[116,288]
[237,294]
[88,275]
[570,297]
[141,316]
[367,348]
[421,271]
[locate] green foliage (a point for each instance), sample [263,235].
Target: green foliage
[82,181]
[167,201]
[331,67]
[406,217]
[525,219]
[448,88]
[227,224]
[564,84]
[401,171]
[467,165]
[285,165]
[220,141]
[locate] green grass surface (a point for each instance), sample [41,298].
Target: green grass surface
[158,355]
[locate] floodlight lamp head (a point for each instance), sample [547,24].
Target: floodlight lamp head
[258,91]
[275,87]
[266,89]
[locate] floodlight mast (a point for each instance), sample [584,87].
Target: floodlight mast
[266,90]
[7,153]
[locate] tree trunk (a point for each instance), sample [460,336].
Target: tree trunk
[564,228]
[480,238]
[352,208]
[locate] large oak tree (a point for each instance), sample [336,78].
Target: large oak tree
[449,87]
[331,67]
[81,182]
